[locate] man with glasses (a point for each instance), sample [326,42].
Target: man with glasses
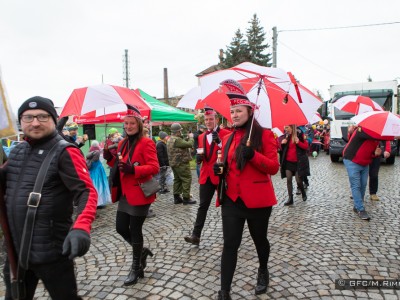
[55,240]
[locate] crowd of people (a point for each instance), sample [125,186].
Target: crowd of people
[235,162]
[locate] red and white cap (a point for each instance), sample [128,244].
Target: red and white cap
[208,111]
[236,93]
[133,111]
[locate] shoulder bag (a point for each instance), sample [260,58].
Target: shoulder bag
[150,187]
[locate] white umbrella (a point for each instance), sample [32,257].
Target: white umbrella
[191,98]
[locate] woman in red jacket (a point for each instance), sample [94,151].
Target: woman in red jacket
[294,160]
[248,194]
[137,163]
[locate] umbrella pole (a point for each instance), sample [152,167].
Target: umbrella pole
[105,125]
[248,142]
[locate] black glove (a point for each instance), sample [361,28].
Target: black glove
[247,152]
[216,169]
[107,154]
[126,168]
[215,137]
[77,243]
[199,158]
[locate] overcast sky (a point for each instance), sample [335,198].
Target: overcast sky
[49,48]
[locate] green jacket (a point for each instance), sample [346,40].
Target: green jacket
[179,150]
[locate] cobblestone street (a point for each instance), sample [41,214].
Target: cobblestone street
[312,244]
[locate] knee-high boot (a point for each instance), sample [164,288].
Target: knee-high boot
[303,194]
[224,295]
[262,281]
[290,201]
[146,252]
[136,271]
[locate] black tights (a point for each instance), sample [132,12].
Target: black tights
[130,227]
[289,179]
[232,227]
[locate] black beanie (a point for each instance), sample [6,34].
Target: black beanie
[38,102]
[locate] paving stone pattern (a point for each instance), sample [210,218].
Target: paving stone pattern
[312,244]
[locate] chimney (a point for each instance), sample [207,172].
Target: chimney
[166,97]
[221,56]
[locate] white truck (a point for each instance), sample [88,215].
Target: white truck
[383,92]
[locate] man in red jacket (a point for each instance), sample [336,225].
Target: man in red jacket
[362,147]
[210,142]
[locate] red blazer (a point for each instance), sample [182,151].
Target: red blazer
[253,185]
[146,155]
[207,165]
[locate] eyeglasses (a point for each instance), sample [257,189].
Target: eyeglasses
[30,118]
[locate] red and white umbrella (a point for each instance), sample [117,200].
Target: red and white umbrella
[357,104]
[382,123]
[280,99]
[192,99]
[103,99]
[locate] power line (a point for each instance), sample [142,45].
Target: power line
[339,27]
[310,61]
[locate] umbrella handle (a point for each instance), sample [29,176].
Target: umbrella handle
[248,142]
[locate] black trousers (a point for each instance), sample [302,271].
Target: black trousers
[373,175]
[207,192]
[130,227]
[234,216]
[58,278]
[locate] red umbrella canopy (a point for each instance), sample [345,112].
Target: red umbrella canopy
[103,99]
[356,104]
[280,99]
[382,123]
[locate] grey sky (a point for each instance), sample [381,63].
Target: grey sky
[49,48]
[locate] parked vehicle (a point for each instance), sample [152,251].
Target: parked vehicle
[383,92]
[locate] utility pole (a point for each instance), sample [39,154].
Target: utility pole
[274,45]
[126,73]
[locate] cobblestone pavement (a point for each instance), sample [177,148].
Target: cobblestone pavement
[312,244]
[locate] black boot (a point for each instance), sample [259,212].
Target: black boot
[304,194]
[224,295]
[145,253]
[136,271]
[177,199]
[290,201]
[262,281]
[188,201]
[192,239]
[298,191]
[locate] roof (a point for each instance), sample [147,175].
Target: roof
[211,69]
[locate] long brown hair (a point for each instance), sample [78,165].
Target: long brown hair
[255,138]
[293,134]
[131,140]
[140,128]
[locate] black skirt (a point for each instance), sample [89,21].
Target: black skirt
[291,166]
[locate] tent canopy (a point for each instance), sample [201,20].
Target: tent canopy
[161,113]
[164,113]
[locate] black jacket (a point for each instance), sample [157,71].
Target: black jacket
[162,154]
[66,182]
